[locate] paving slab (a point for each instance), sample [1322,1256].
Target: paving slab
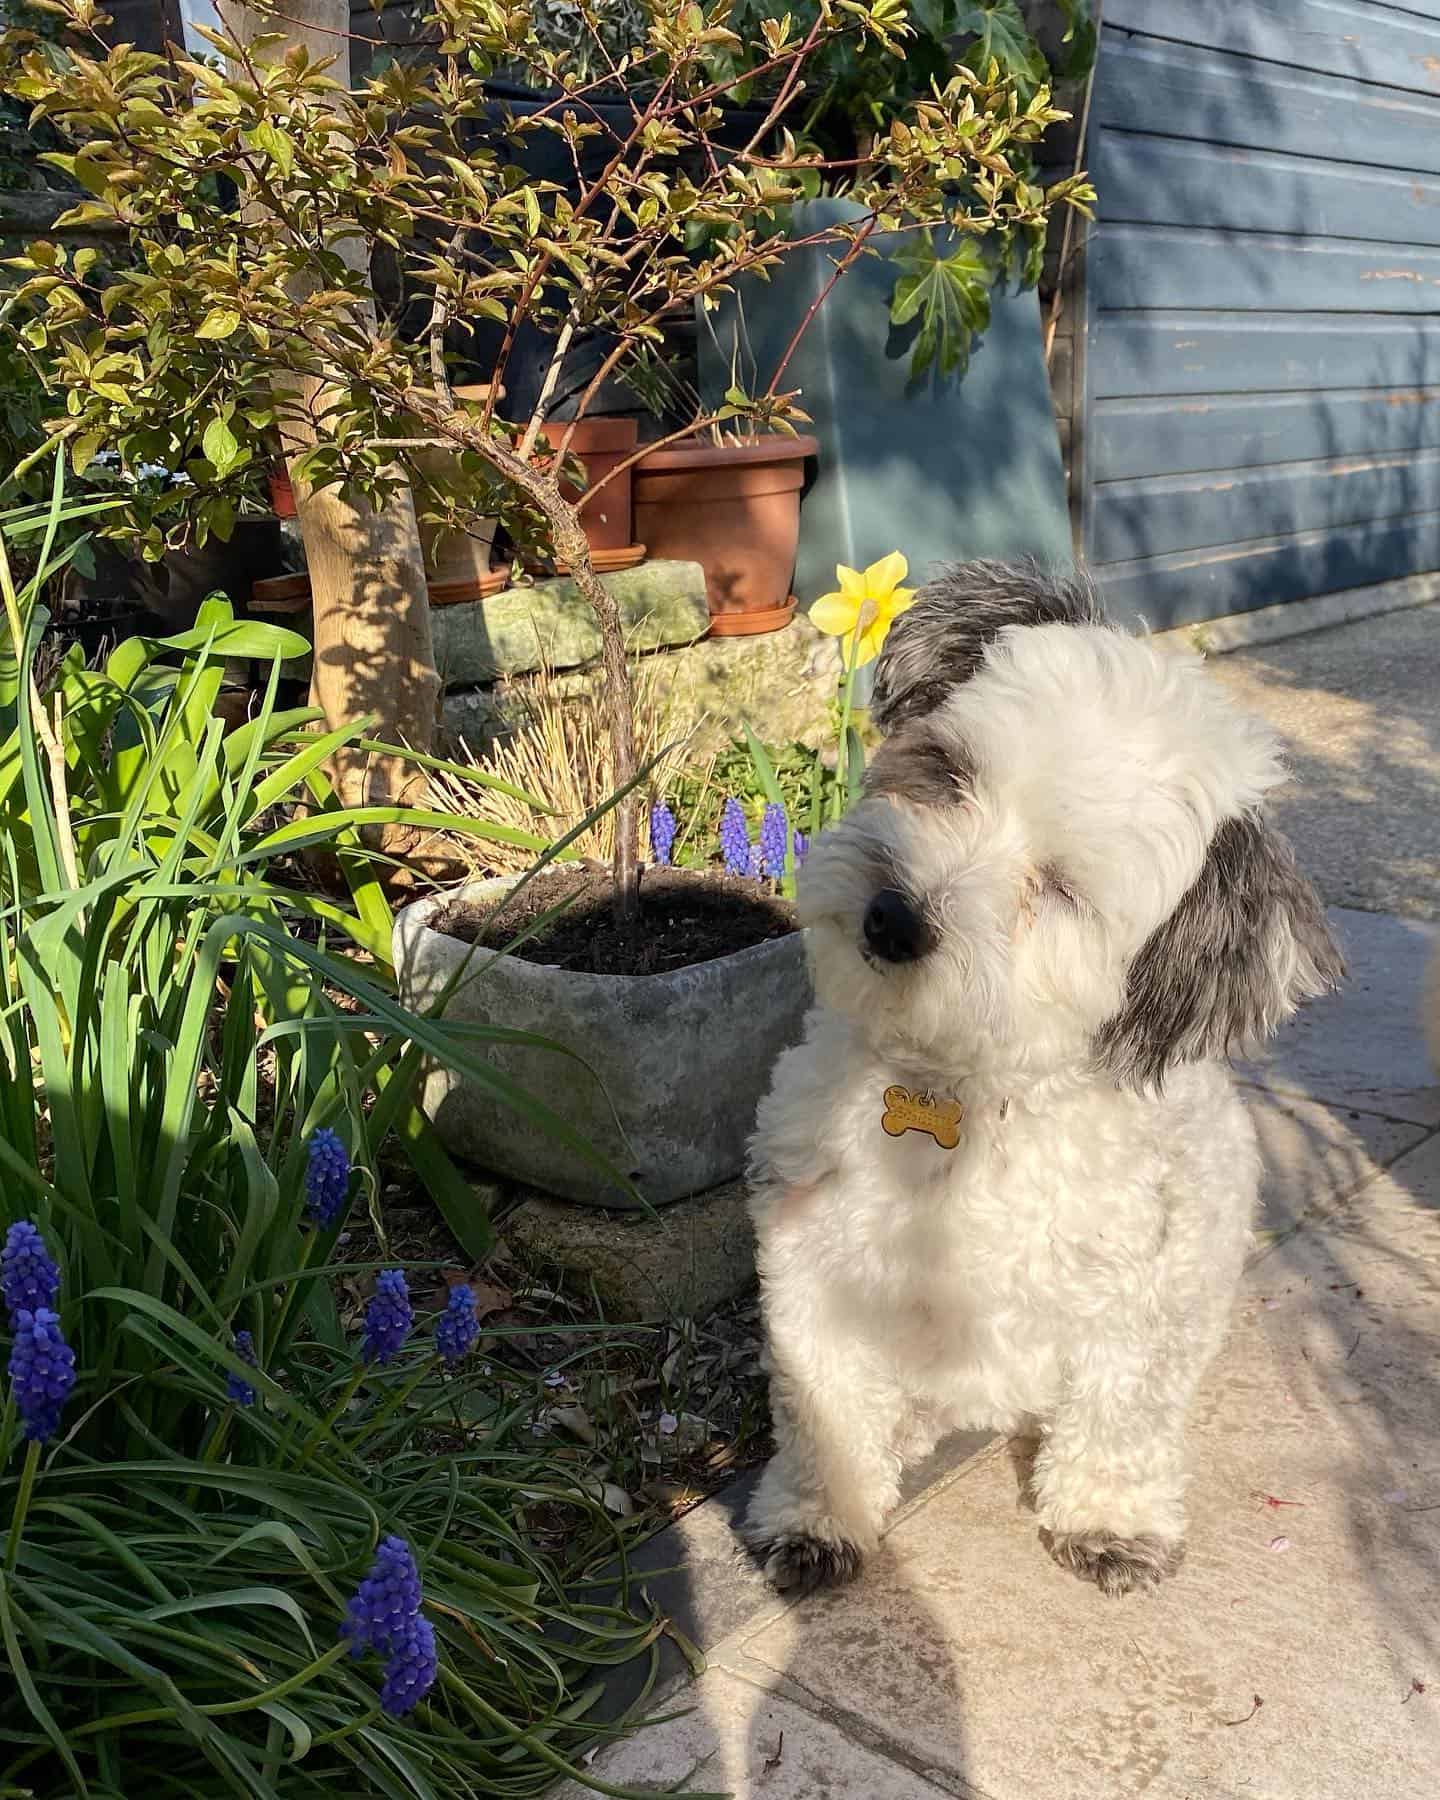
[1364,1047]
[698,1575]
[1355,707]
[1317,1156]
[967,1663]
[740,1739]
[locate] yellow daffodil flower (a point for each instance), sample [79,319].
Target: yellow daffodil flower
[865,607]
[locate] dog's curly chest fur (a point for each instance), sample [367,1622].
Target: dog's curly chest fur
[986,1258]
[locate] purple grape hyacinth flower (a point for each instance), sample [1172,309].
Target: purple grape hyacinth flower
[755,868]
[457,1327]
[663,828]
[734,838]
[239,1390]
[410,1673]
[772,841]
[388,1317]
[29,1277]
[327,1178]
[387,1602]
[800,848]
[42,1371]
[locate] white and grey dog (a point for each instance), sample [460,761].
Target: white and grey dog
[1004,1182]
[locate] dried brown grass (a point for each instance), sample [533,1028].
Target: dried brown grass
[559,750]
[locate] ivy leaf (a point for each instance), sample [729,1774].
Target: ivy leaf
[1001,36]
[934,17]
[948,295]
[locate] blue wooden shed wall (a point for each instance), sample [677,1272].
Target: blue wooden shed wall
[1262,302]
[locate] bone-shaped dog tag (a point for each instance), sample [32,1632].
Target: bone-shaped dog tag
[939,1119]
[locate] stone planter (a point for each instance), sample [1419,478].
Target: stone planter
[684,1059]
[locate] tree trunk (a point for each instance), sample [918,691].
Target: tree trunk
[374,652]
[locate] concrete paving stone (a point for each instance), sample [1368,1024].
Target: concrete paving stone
[1298,618]
[1355,707]
[1317,1156]
[740,1740]
[965,1646]
[698,1575]
[1363,1047]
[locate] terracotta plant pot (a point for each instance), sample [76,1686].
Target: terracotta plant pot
[601,443]
[291,593]
[734,509]
[452,556]
[282,494]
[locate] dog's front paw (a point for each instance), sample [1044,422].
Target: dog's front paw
[796,1563]
[1116,1564]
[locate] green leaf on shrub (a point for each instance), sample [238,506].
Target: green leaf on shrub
[220,446]
[268,137]
[83,449]
[218,324]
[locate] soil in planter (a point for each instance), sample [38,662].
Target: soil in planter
[686,916]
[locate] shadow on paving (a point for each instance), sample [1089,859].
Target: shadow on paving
[1368,1371]
[1355,707]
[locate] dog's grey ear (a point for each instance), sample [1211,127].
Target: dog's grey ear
[940,641]
[1245,947]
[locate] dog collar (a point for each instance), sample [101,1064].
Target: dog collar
[937,1116]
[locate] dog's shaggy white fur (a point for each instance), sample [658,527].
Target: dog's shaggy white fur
[1059,905]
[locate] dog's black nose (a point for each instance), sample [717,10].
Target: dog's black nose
[895,929]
